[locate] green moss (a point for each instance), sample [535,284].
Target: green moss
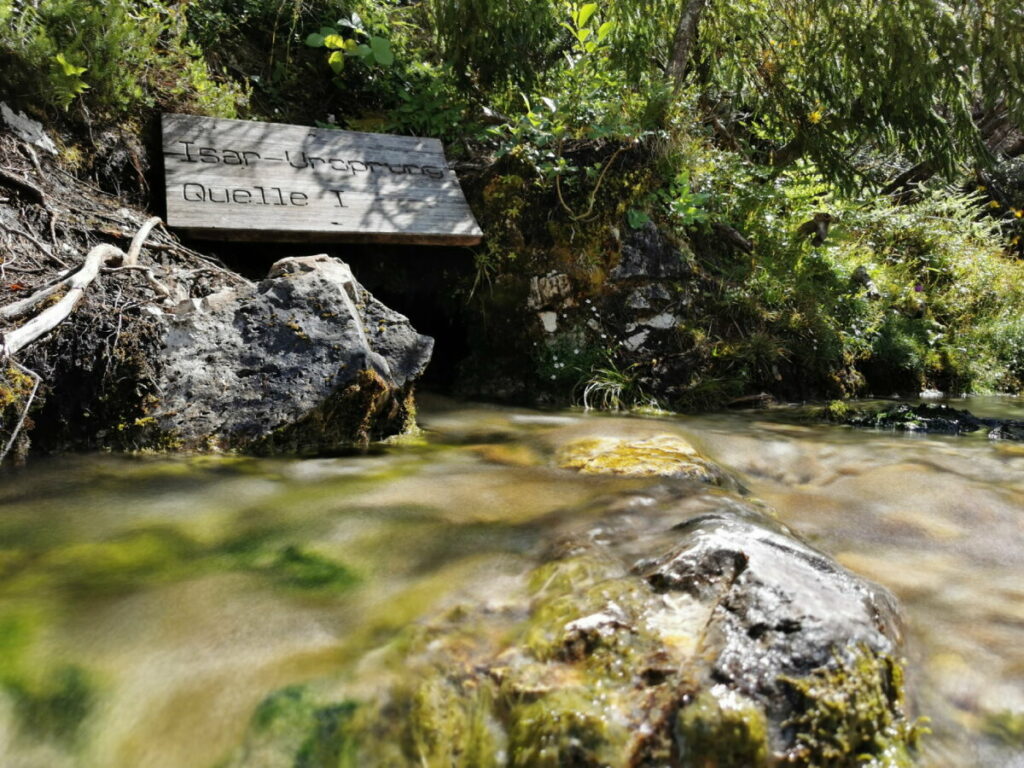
[288,705]
[1006,726]
[15,386]
[57,706]
[836,411]
[851,712]
[451,725]
[297,730]
[118,564]
[294,567]
[331,743]
[722,731]
[564,727]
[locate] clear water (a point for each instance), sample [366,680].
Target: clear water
[148,605]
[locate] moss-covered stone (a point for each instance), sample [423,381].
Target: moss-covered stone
[566,728]
[452,724]
[850,713]
[722,729]
[660,456]
[365,410]
[590,663]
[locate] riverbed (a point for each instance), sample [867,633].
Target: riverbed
[149,605]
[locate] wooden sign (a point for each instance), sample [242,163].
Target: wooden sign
[241,180]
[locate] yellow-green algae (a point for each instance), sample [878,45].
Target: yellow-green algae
[658,456]
[1006,726]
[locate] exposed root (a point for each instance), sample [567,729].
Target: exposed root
[24,412]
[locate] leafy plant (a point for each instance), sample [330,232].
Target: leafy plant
[67,81]
[372,50]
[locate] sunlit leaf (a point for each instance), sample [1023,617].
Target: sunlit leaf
[585,13]
[69,69]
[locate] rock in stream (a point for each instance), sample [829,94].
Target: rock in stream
[304,361]
[680,625]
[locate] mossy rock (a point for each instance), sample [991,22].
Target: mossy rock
[691,659]
[659,456]
[722,729]
[851,712]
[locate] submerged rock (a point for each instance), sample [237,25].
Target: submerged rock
[683,627]
[304,361]
[658,456]
[930,418]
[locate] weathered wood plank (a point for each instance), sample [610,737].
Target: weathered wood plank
[239,180]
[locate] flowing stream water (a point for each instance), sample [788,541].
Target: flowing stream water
[148,605]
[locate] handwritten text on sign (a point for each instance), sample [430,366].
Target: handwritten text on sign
[247,180]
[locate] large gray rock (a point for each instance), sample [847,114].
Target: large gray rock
[781,609]
[306,360]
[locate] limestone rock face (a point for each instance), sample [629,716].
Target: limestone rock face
[305,360]
[646,255]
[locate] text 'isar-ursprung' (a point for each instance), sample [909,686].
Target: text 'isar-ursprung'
[301,160]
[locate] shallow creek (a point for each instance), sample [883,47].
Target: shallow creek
[148,605]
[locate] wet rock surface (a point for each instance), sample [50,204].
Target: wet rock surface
[657,456]
[680,626]
[306,360]
[930,418]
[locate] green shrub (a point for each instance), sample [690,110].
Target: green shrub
[939,311]
[110,57]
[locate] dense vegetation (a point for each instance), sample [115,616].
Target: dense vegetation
[726,124]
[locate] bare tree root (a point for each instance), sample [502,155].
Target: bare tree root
[24,412]
[76,284]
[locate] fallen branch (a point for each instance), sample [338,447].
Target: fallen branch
[48,319]
[132,258]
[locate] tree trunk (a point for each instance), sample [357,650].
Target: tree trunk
[682,46]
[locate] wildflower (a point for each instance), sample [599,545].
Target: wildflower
[815,117]
[994,204]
